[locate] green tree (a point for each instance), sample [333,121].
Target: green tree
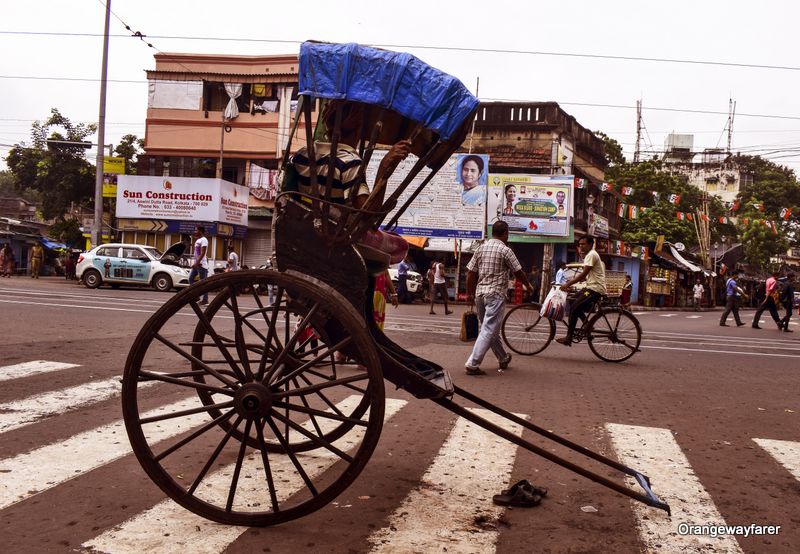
[129,147]
[67,230]
[661,218]
[61,174]
[613,149]
[773,187]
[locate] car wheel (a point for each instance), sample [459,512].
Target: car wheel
[92,279]
[162,282]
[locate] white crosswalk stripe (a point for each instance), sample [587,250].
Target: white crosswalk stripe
[786,453]
[19,413]
[36,367]
[64,460]
[145,532]
[655,453]
[470,466]
[439,513]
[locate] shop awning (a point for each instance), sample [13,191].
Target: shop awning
[677,255]
[419,242]
[672,260]
[448,245]
[51,245]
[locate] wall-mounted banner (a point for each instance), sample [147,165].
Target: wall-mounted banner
[532,205]
[181,198]
[452,205]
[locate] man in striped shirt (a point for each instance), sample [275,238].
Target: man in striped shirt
[487,281]
[348,186]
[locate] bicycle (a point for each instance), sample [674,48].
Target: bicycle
[612,332]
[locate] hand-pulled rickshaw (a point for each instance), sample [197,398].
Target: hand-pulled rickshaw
[276,425]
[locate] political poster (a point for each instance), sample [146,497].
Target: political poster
[533,206]
[452,204]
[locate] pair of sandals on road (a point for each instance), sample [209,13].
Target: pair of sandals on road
[521,495]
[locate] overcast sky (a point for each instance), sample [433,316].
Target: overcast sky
[735,31]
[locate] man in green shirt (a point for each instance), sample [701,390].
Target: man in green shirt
[594,274]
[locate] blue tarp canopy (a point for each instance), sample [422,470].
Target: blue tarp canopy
[393,80]
[51,245]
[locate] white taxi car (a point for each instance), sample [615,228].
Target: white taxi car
[414,282]
[133,264]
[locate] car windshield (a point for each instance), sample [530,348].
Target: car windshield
[154,253]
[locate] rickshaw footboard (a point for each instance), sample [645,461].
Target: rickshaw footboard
[647,497]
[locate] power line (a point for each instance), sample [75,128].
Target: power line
[435,48]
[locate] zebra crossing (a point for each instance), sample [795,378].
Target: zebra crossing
[437,513]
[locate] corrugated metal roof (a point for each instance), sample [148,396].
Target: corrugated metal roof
[217,76]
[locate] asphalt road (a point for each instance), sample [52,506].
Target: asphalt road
[709,413]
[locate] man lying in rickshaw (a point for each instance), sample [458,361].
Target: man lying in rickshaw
[348,186]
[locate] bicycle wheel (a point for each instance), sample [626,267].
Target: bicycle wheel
[525,331]
[614,334]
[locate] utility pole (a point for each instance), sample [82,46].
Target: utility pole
[97,229]
[731,113]
[637,151]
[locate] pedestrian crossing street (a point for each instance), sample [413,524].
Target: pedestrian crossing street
[439,511]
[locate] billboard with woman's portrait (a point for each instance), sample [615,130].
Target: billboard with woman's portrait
[472,174]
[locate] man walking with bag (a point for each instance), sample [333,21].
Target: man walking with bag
[487,281]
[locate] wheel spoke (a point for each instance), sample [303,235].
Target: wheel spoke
[214,456]
[321,386]
[182,382]
[317,440]
[338,346]
[238,468]
[262,446]
[274,371]
[241,347]
[183,442]
[289,452]
[190,411]
[195,360]
[319,413]
[271,332]
[324,398]
[307,407]
[216,338]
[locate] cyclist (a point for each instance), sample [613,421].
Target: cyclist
[594,274]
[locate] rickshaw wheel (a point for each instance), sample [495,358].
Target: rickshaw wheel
[285,310]
[302,431]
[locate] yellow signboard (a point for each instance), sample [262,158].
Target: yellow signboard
[112,166]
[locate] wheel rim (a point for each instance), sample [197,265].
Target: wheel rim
[525,331]
[163,283]
[267,439]
[92,279]
[614,335]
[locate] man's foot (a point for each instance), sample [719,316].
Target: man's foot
[203,302]
[740,323]
[431,312]
[504,363]
[471,370]
[787,330]
[566,341]
[755,326]
[448,312]
[724,325]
